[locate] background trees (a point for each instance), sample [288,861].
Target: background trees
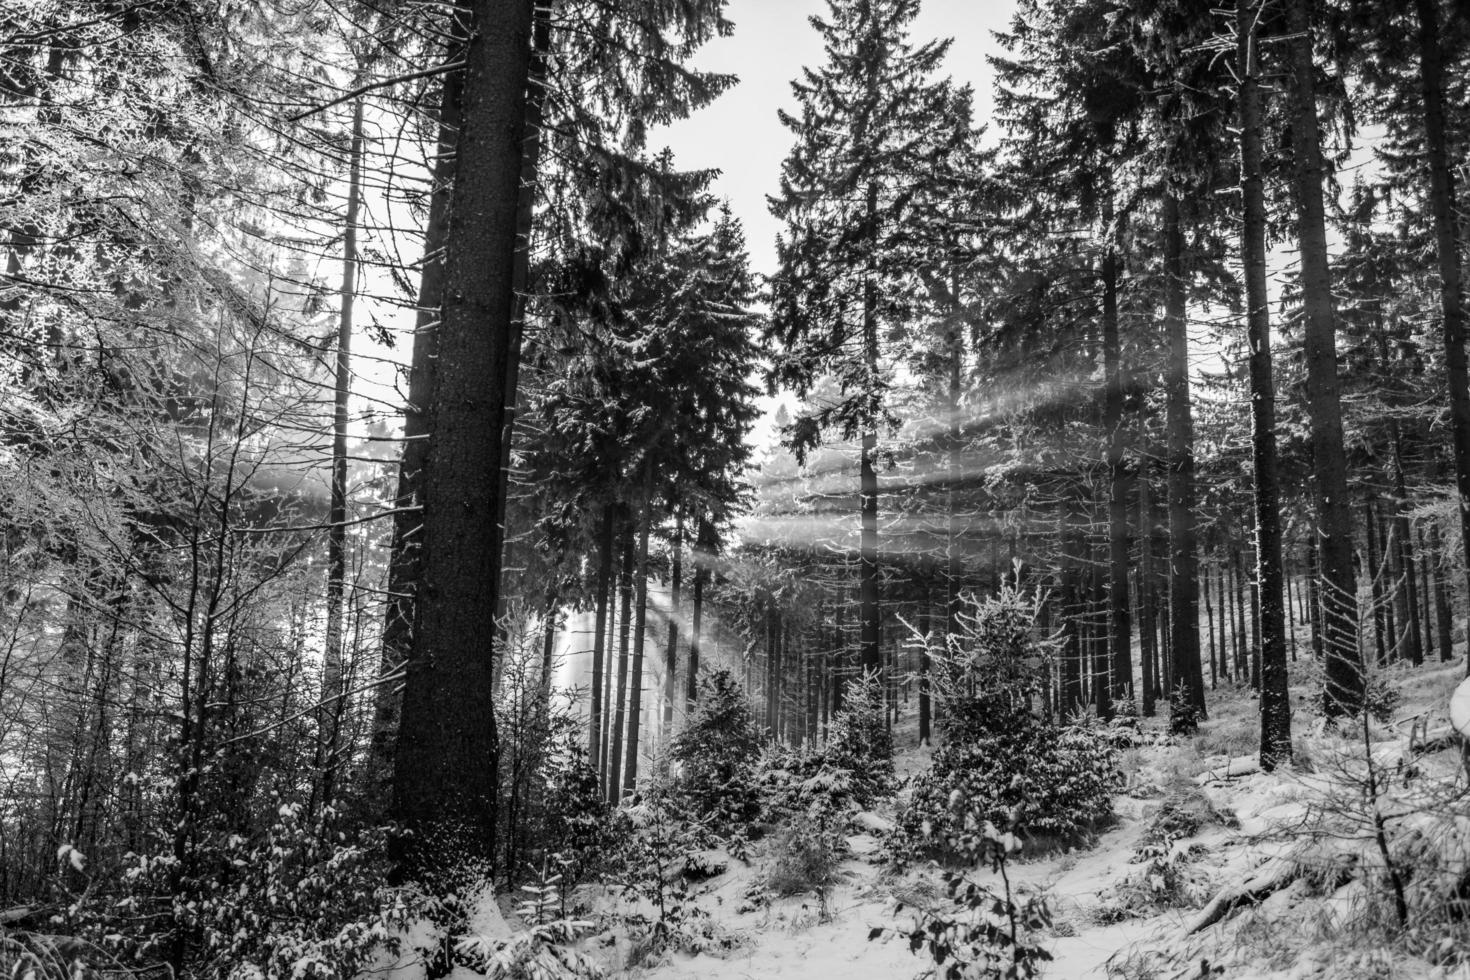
[1036,354]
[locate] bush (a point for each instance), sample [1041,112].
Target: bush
[807,850]
[1000,763]
[714,756]
[574,822]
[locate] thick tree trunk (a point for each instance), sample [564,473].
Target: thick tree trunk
[444,777]
[329,715]
[1343,665]
[404,559]
[1447,246]
[1187,696]
[525,221]
[1275,698]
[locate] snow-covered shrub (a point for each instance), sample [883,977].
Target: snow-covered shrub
[805,853]
[296,902]
[714,756]
[1056,782]
[546,950]
[663,851]
[573,823]
[978,931]
[858,752]
[1000,762]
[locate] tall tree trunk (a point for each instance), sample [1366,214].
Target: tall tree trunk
[868,599]
[1146,638]
[703,554]
[1374,571]
[599,637]
[444,777]
[671,654]
[1447,246]
[1343,666]
[1120,628]
[1187,697]
[613,779]
[525,221]
[405,559]
[1069,532]
[953,564]
[1443,620]
[329,716]
[640,633]
[1275,698]
[1404,535]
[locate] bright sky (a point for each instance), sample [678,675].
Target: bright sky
[740,135]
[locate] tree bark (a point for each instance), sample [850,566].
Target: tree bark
[1187,696]
[1442,204]
[1343,663]
[404,558]
[640,633]
[599,638]
[1275,698]
[613,779]
[671,654]
[445,772]
[703,553]
[868,599]
[1120,627]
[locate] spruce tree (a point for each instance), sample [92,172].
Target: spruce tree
[870,122]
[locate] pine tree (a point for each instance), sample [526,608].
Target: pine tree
[870,123]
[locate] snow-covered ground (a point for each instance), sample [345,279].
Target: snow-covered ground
[1300,840]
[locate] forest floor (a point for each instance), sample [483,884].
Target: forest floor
[1301,841]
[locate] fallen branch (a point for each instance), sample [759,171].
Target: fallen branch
[1266,880]
[1244,765]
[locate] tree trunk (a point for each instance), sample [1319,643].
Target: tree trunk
[703,554]
[640,632]
[329,715]
[444,777]
[1146,626]
[613,779]
[869,597]
[1187,698]
[404,558]
[1443,619]
[1374,571]
[1275,698]
[671,654]
[1447,246]
[599,636]
[1120,629]
[525,221]
[1343,664]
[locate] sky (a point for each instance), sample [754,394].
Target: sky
[740,134]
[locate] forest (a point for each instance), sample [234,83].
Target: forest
[433,547]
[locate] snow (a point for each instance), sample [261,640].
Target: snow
[1258,833]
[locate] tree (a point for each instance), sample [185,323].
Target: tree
[1339,589]
[1275,698]
[870,124]
[444,782]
